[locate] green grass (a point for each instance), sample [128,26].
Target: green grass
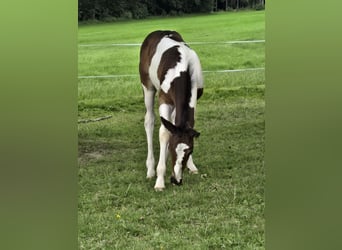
[222,206]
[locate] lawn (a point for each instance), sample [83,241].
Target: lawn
[223,205]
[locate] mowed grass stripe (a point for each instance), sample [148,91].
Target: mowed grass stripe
[204,71]
[221,27]
[125,60]
[189,43]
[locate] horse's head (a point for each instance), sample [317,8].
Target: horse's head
[181,145]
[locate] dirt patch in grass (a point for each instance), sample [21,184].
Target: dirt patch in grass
[91,150]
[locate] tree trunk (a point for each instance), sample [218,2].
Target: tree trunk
[214,5]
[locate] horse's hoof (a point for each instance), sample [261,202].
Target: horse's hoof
[193,171]
[158,189]
[175,182]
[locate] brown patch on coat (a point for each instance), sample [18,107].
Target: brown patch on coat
[181,92]
[148,49]
[165,98]
[169,60]
[199,93]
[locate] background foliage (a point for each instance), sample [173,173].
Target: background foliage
[111,10]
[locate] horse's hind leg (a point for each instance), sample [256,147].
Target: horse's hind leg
[149,126]
[191,166]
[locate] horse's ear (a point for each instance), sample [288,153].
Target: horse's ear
[194,133]
[168,125]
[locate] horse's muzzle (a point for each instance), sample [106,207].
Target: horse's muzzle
[175,182]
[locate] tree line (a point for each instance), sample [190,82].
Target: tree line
[111,10]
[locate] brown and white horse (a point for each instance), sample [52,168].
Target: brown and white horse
[169,66]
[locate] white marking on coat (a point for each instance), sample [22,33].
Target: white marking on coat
[180,152]
[149,126]
[191,166]
[175,72]
[164,44]
[195,71]
[165,111]
[193,97]
[164,136]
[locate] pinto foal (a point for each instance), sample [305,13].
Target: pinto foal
[169,66]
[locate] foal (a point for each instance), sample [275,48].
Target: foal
[169,66]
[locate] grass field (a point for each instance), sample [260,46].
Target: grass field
[222,206]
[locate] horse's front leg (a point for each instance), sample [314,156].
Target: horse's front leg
[164,136]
